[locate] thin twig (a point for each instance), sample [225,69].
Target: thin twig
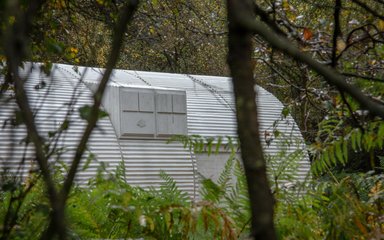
[125,17]
[330,75]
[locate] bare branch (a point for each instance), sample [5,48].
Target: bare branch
[15,42]
[265,18]
[125,17]
[368,9]
[330,75]
[364,77]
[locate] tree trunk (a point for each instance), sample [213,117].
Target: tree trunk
[241,67]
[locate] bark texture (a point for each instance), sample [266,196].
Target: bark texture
[241,67]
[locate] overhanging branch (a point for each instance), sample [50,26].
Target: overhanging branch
[125,17]
[330,75]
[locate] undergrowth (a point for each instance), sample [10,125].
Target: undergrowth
[343,206]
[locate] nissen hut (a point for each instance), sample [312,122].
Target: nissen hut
[145,110]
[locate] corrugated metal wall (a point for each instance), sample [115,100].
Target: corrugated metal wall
[209,113]
[210,107]
[143,159]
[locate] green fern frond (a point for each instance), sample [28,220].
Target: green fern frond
[170,190]
[211,191]
[210,145]
[120,171]
[330,153]
[224,180]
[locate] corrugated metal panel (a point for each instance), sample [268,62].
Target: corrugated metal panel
[209,113]
[143,160]
[210,107]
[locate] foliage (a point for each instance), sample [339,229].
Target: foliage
[172,36]
[348,37]
[178,36]
[230,191]
[25,208]
[185,36]
[338,143]
[348,206]
[110,208]
[208,145]
[283,166]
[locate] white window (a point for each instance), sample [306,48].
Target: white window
[149,112]
[171,113]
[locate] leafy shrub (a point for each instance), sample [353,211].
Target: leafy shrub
[344,206]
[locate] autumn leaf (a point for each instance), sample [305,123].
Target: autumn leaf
[307,34]
[380,25]
[340,45]
[285,5]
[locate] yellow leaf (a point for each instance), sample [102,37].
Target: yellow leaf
[340,45]
[380,25]
[100,2]
[11,20]
[74,50]
[285,5]
[151,30]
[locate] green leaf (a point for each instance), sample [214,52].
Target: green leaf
[85,113]
[52,133]
[54,46]
[167,219]
[353,141]
[345,152]
[325,158]
[359,139]
[380,133]
[46,68]
[200,146]
[285,112]
[102,114]
[332,155]
[339,152]
[276,133]
[209,145]
[218,145]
